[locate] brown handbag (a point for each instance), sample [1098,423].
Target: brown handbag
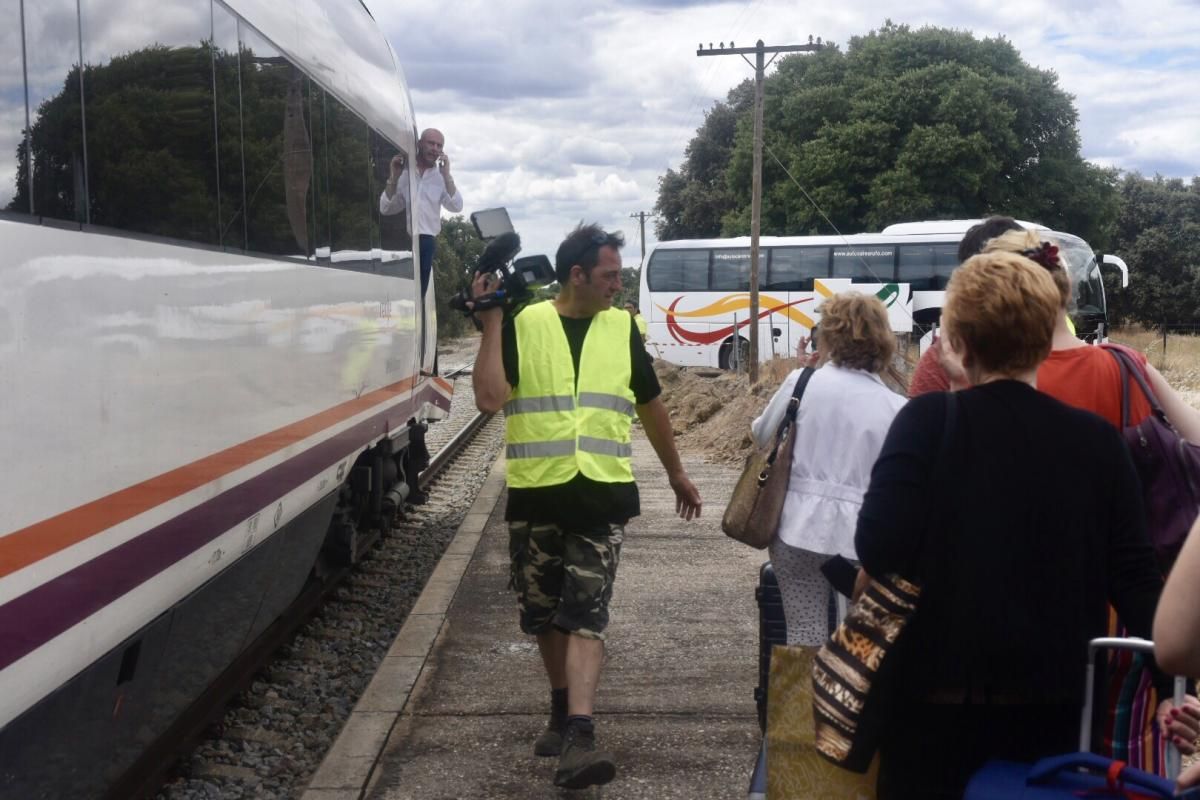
[753,511]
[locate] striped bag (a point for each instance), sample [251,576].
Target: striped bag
[849,675]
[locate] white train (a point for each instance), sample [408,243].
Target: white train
[210,342]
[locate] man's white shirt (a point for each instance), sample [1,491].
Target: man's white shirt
[432,197]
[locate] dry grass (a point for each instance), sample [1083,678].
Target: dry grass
[1178,361]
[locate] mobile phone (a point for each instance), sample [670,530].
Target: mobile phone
[841,574]
[441,162]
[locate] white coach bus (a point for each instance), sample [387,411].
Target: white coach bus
[694,294]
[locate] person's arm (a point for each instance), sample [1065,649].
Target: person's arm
[895,511]
[452,201]
[657,424]
[1177,620]
[1183,416]
[487,378]
[391,201]
[929,375]
[764,427]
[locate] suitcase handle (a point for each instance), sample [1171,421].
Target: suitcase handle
[1136,645]
[1120,777]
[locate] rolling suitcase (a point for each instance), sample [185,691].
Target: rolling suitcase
[1081,774]
[772,630]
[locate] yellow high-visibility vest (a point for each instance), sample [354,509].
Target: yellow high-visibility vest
[556,429]
[641,324]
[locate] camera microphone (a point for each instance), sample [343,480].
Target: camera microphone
[499,252]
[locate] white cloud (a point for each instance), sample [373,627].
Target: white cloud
[566,114]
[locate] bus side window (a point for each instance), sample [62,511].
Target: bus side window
[926,267]
[865,264]
[731,270]
[794,268]
[678,271]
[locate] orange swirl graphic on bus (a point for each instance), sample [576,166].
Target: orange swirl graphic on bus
[888,294]
[728,305]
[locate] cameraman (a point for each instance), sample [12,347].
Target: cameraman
[569,374]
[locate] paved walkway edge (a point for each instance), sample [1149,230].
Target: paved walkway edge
[348,766]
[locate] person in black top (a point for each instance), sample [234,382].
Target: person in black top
[1037,525]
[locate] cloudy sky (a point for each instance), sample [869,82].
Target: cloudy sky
[565,111]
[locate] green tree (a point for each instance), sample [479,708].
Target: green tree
[692,201]
[904,124]
[1158,235]
[458,248]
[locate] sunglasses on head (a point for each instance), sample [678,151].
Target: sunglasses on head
[596,240]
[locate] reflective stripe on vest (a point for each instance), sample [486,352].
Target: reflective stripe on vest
[556,429]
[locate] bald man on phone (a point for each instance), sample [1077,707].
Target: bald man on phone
[435,191]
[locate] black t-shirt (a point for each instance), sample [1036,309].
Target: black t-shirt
[580,499]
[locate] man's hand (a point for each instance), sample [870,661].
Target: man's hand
[485,283]
[445,165]
[1181,725]
[396,166]
[687,496]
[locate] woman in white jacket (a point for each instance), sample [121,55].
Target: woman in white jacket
[843,417]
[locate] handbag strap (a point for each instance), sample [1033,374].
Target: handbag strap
[789,416]
[1129,368]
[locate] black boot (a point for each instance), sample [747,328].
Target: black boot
[581,764]
[551,741]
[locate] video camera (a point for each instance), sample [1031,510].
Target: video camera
[519,279]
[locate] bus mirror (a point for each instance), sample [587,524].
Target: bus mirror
[1114,261]
[776,332]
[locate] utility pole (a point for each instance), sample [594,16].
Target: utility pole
[759,50]
[640,216]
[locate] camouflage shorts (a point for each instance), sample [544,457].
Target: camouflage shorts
[564,576]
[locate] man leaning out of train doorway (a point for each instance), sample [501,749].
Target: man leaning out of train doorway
[570,373]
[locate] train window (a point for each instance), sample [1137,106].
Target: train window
[147,94]
[866,264]
[231,198]
[322,207]
[678,271]
[794,268]
[395,243]
[926,267]
[276,149]
[12,108]
[55,110]
[347,155]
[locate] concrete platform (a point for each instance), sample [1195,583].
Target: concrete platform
[675,705]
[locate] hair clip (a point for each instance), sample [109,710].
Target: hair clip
[1045,254]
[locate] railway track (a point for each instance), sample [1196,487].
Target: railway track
[296,688]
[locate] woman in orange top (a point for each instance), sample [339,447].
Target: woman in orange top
[1076,373]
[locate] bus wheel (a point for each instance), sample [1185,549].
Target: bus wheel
[727,359]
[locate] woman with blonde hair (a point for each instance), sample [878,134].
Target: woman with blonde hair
[1076,373]
[1016,564]
[840,426]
